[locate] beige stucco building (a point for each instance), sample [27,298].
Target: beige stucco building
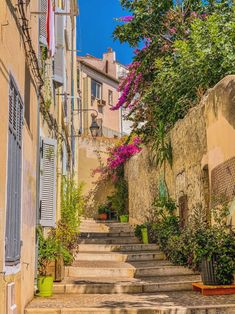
[98,83]
[38,95]
[18,155]
[98,88]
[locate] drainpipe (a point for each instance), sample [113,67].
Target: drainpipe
[38,159]
[72,94]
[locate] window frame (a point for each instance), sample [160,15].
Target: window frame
[96,96]
[110,92]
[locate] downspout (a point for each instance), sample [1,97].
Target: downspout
[81,95]
[38,159]
[72,94]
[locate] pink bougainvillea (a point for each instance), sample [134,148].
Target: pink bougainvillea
[121,154]
[126,19]
[129,86]
[118,155]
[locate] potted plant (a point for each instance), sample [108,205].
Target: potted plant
[102,211]
[141,232]
[124,218]
[48,250]
[214,249]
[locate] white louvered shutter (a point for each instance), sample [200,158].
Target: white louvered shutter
[59,53]
[42,23]
[48,183]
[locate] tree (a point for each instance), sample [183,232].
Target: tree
[186,48]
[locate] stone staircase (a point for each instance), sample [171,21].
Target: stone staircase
[112,260]
[113,265]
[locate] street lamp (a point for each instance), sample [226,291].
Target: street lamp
[94,128]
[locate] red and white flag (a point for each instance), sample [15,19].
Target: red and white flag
[50,27]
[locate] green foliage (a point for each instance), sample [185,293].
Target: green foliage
[164,207]
[199,240]
[119,199]
[67,229]
[44,53]
[48,250]
[72,203]
[138,232]
[161,149]
[104,208]
[190,48]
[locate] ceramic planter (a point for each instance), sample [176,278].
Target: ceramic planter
[208,273]
[144,232]
[124,218]
[45,286]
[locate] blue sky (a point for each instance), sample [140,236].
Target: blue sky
[95,26]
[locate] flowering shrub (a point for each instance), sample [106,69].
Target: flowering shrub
[114,169]
[126,19]
[117,156]
[188,48]
[122,153]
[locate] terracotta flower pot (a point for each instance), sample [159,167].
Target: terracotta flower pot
[103,216]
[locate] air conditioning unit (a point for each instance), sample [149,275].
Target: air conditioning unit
[101,102]
[11,304]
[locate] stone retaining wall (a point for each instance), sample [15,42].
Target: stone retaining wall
[203,141]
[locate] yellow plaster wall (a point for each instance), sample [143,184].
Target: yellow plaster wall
[12,60]
[220,122]
[90,151]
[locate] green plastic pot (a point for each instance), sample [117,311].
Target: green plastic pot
[144,232]
[124,218]
[45,286]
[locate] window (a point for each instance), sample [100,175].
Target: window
[110,98]
[95,89]
[14,170]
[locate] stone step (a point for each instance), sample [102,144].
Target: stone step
[162,270]
[109,240]
[120,257]
[97,269]
[125,285]
[120,269]
[104,228]
[112,223]
[183,302]
[95,235]
[118,247]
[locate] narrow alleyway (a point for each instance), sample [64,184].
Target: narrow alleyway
[114,273]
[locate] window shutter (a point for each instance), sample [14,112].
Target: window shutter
[48,183]
[42,23]
[59,54]
[13,217]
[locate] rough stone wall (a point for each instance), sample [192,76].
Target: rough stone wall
[203,146]
[189,144]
